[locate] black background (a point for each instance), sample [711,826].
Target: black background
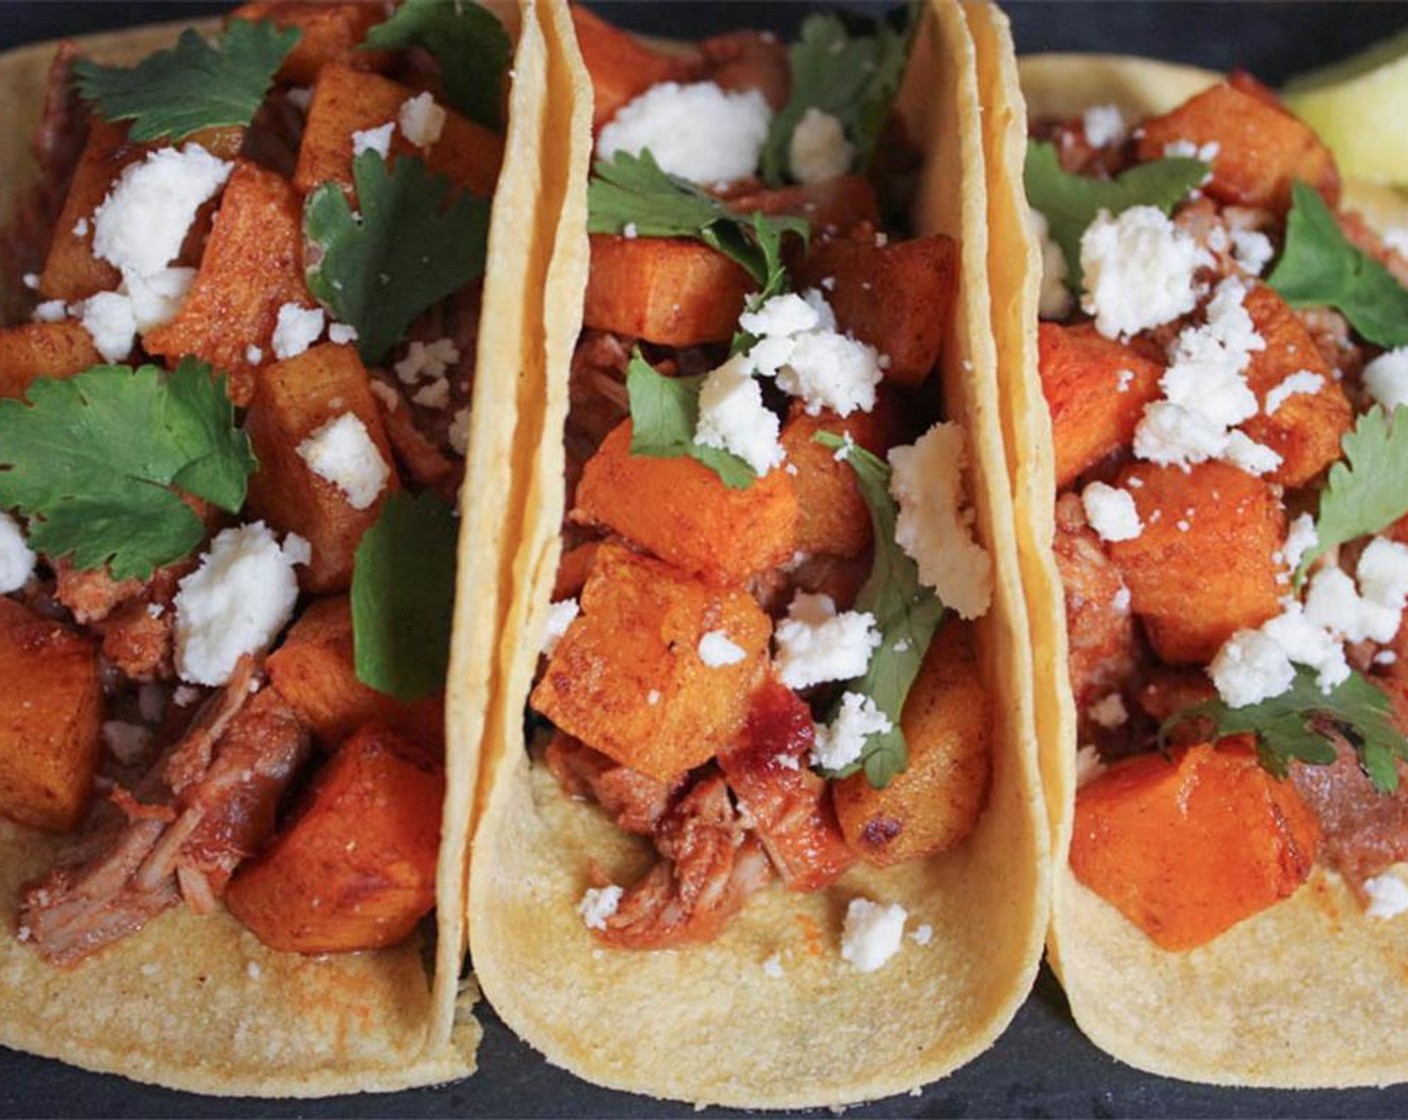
[1042,1066]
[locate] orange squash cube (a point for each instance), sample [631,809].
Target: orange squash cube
[936,802]
[293,400]
[1095,390]
[622,67]
[34,350]
[355,868]
[833,205]
[682,512]
[331,33]
[1186,849]
[628,678]
[1204,566]
[51,711]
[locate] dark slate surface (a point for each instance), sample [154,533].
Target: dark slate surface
[1042,1066]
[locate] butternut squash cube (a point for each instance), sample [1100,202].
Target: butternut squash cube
[621,67]
[331,33]
[34,350]
[834,205]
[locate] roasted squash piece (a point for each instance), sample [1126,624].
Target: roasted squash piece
[682,512]
[834,205]
[622,67]
[1096,390]
[51,710]
[293,400]
[34,350]
[1187,848]
[628,678]
[748,60]
[1204,565]
[252,266]
[894,295]
[355,868]
[331,33]
[936,802]
[666,290]
[1262,149]
[315,672]
[573,570]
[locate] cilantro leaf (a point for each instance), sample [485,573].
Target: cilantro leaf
[1071,202]
[89,460]
[468,41]
[403,594]
[632,191]
[664,415]
[1298,725]
[1318,266]
[1368,488]
[852,78]
[406,250]
[907,614]
[193,85]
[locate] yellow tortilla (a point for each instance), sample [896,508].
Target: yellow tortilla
[198,1003]
[708,1024]
[1306,994]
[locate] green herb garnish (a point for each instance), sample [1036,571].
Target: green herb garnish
[406,250]
[92,461]
[403,594]
[191,86]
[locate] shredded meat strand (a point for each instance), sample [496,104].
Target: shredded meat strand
[634,800]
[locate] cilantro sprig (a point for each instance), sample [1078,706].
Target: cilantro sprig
[406,250]
[1071,202]
[907,613]
[94,461]
[854,78]
[193,85]
[403,593]
[468,42]
[664,416]
[632,191]
[1301,724]
[1319,266]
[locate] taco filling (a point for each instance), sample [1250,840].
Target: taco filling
[1223,352]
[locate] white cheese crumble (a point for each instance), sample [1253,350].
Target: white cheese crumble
[458,434]
[1187,149]
[50,311]
[376,140]
[1138,271]
[296,330]
[342,333]
[1388,896]
[1109,712]
[598,904]
[1089,765]
[253,355]
[433,394]
[236,602]
[427,360]
[1302,381]
[1386,378]
[872,933]
[933,526]
[733,417]
[1334,603]
[560,616]
[840,742]
[343,452]
[922,935]
[699,131]
[1252,250]
[1055,300]
[818,149]
[1249,668]
[108,318]
[157,298]
[1300,538]
[1397,240]
[421,120]
[1111,512]
[716,650]
[1104,125]
[16,558]
[815,644]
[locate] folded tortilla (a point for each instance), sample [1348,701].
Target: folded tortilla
[707,1023]
[198,1003]
[1308,993]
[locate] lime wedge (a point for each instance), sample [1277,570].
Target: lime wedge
[1357,107]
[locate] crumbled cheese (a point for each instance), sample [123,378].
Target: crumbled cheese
[560,616]
[1111,512]
[458,433]
[1334,603]
[236,602]
[126,742]
[1121,600]
[1300,538]
[1252,250]
[1109,712]
[872,933]
[341,333]
[923,934]
[421,120]
[30,281]
[1187,149]
[1386,378]
[252,970]
[1249,668]
[933,526]
[716,650]
[1382,573]
[50,311]
[733,417]
[598,904]
[434,394]
[185,696]
[427,360]
[840,743]
[1388,896]
[376,140]
[1246,454]
[816,645]
[253,355]
[652,697]
[831,371]
[818,149]
[1055,301]
[297,329]
[17,560]
[1089,765]
[108,318]
[784,316]
[157,298]
[1397,240]
[772,967]
[1302,381]
[1138,271]
[699,132]
[1104,125]
[1306,643]
[343,452]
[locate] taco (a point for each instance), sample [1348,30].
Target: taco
[1207,467]
[234,784]
[774,838]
